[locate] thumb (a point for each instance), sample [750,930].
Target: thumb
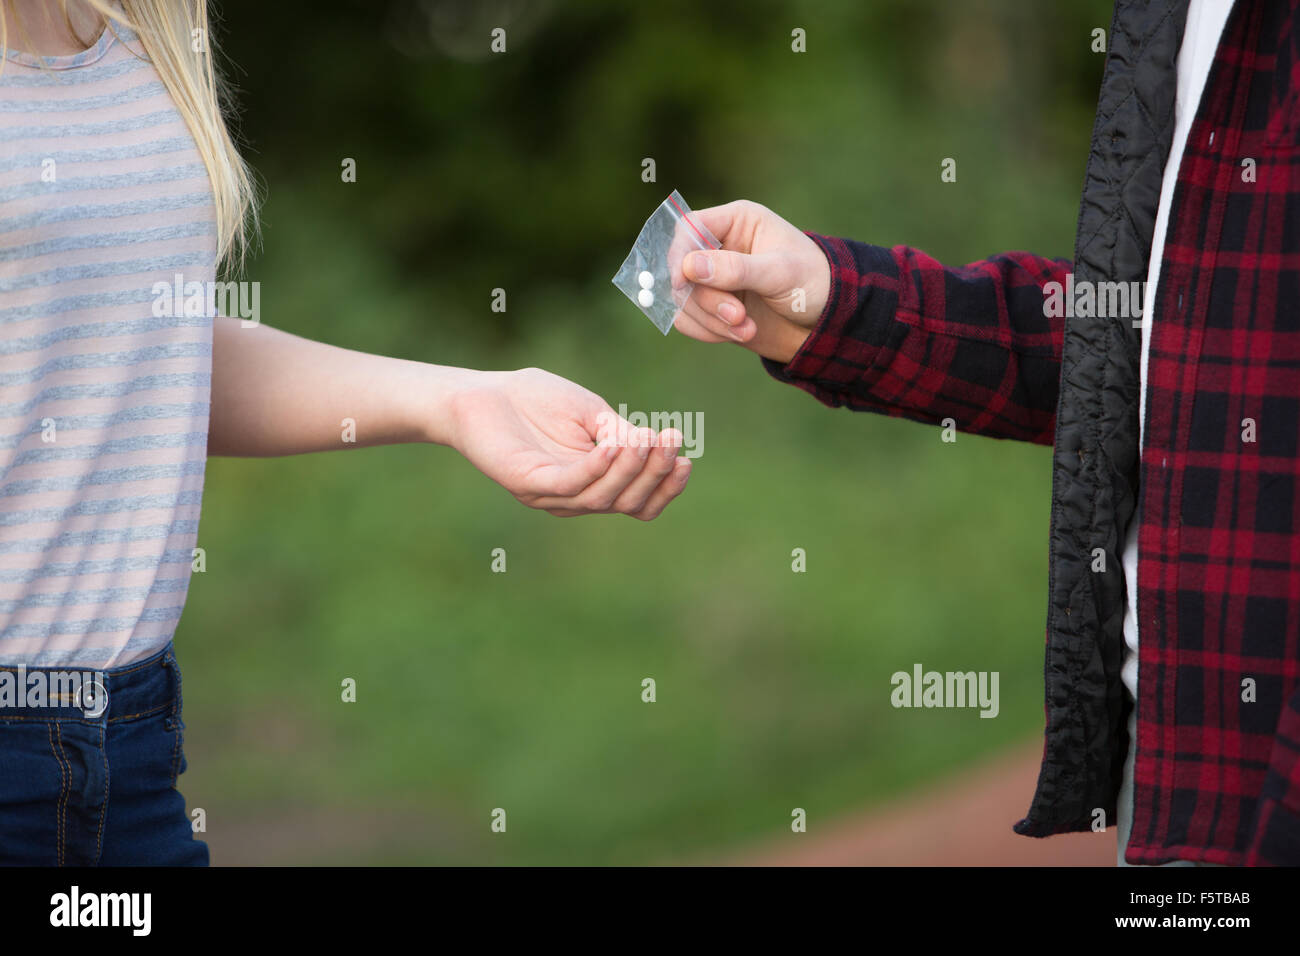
[767,274]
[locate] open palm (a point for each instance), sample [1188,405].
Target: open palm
[552,445]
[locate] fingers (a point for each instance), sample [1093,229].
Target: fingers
[767,274]
[602,424]
[565,481]
[719,315]
[725,306]
[598,496]
[682,245]
[723,220]
[729,224]
[644,477]
[658,463]
[671,486]
[689,325]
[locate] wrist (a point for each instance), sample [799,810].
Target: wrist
[782,344]
[445,400]
[817,267]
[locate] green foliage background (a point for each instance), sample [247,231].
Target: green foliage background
[522,690]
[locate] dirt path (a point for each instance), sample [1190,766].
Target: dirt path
[964,821]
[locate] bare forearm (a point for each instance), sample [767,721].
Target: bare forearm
[277,394]
[549,442]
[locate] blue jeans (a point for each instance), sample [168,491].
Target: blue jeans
[88,773]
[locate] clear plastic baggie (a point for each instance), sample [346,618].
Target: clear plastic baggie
[651,275]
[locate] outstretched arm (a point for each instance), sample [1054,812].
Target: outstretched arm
[544,439]
[885,330]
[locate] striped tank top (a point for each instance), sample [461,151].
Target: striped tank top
[104,397]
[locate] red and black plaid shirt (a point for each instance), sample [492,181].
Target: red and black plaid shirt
[1217,776]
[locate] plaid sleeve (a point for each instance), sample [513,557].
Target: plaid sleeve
[905,336]
[1276,840]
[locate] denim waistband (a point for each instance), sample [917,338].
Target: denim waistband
[134,690]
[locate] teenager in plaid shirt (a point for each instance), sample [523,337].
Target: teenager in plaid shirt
[1180,434]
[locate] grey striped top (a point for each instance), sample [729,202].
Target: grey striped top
[104,393]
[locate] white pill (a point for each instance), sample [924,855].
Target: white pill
[646,280]
[645,296]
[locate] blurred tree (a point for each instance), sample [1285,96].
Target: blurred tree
[524,168]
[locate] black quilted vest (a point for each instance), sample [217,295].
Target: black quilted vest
[1095,461]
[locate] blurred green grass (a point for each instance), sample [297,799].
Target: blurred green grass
[522,690]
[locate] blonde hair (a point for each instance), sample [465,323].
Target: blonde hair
[169,30]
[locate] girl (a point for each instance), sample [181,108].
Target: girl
[121,193]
